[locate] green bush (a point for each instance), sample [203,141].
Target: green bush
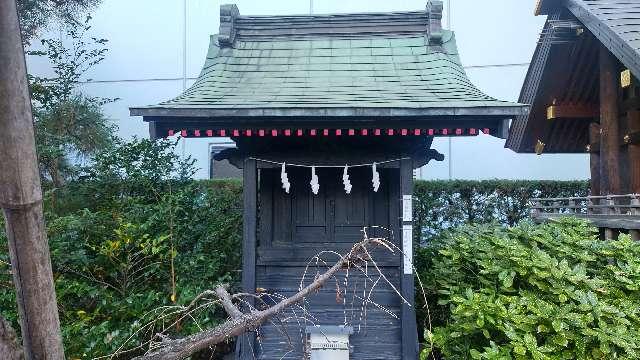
[134,233]
[442,205]
[552,291]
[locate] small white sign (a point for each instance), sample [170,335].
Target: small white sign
[407,208]
[407,248]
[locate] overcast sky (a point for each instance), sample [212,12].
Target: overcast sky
[496,39]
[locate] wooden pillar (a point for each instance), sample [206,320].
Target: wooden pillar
[609,122]
[409,327]
[246,343]
[21,200]
[594,157]
[633,126]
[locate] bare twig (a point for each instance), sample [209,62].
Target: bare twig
[277,309]
[184,347]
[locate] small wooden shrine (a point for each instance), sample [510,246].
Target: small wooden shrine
[330,114]
[585,98]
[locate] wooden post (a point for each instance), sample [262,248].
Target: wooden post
[609,122]
[409,326]
[633,151]
[246,344]
[21,199]
[635,210]
[610,233]
[594,158]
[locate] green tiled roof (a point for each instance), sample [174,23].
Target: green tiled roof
[342,65]
[385,72]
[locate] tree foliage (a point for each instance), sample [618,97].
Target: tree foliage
[69,125]
[443,205]
[553,291]
[127,237]
[34,15]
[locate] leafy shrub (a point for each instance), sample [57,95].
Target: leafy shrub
[134,233]
[442,205]
[552,291]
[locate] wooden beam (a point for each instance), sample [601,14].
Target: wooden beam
[594,157]
[246,344]
[21,200]
[409,327]
[572,111]
[633,150]
[609,121]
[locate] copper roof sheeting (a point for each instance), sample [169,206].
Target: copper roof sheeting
[371,64]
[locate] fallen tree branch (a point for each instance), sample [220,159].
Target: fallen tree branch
[239,323]
[225,298]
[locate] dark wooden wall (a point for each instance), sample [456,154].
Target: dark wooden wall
[293,227]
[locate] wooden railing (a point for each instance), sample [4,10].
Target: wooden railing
[613,213]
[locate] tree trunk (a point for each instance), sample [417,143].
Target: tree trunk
[21,199]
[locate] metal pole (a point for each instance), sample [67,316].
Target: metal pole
[184,64]
[21,200]
[310,7]
[450,140]
[448,14]
[184,46]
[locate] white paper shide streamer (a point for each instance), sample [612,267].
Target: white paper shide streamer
[375,178]
[346,181]
[286,185]
[315,185]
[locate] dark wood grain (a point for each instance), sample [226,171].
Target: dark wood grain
[409,328]
[633,118]
[246,344]
[610,179]
[296,227]
[594,157]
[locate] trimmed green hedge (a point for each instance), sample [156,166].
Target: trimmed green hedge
[441,205]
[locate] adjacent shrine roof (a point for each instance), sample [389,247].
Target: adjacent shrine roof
[345,65]
[564,71]
[616,23]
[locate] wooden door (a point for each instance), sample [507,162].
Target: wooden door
[294,227]
[304,219]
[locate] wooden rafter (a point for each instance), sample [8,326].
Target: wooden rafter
[572,111]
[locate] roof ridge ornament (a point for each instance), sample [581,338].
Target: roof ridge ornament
[227,33]
[434,22]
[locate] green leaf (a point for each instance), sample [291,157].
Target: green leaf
[508,280]
[520,349]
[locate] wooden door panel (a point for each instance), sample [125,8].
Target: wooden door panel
[310,211]
[332,216]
